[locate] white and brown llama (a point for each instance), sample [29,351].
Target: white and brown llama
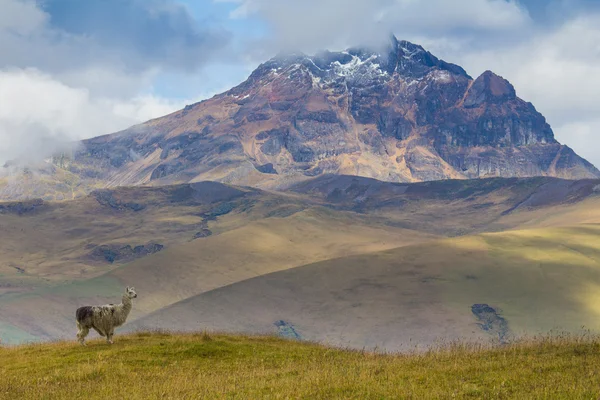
[104,319]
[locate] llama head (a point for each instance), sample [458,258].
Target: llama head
[131,292]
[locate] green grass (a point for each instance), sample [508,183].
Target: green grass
[165,366]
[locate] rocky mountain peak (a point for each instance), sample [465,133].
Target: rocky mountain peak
[413,61]
[489,88]
[360,66]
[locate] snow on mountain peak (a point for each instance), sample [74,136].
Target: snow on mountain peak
[360,67]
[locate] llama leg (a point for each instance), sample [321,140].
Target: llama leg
[78,329]
[83,332]
[109,337]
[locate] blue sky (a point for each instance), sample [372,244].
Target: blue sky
[71,69]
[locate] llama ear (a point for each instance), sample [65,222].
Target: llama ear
[127,289]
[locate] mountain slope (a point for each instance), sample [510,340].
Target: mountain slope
[184,270]
[400,115]
[79,239]
[460,207]
[55,241]
[526,282]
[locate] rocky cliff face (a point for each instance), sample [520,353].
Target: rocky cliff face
[401,115]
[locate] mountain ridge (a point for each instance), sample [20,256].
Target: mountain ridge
[402,115]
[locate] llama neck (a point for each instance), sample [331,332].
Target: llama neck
[126,305]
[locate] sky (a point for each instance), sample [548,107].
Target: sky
[73,69]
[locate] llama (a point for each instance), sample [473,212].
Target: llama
[104,319]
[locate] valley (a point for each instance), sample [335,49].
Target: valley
[342,260]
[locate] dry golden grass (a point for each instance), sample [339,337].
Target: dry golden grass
[584,212]
[165,366]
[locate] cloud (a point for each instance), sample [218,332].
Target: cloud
[312,25]
[40,115]
[558,11]
[72,69]
[138,32]
[55,35]
[20,17]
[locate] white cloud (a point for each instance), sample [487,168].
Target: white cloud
[40,114]
[311,25]
[58,35]
[21,17]
[108,81]
[144,108]
[59,86]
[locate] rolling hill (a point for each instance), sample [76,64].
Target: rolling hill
[532,281]
[212,235]
[323,254]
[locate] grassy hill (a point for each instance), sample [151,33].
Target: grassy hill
[536,280]
[192,366]
[48,242]
[385,253]
[185,270]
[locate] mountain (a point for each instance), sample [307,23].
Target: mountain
[399,115]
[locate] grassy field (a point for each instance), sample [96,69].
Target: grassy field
[164,366]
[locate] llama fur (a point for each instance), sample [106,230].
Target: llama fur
[104,319]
